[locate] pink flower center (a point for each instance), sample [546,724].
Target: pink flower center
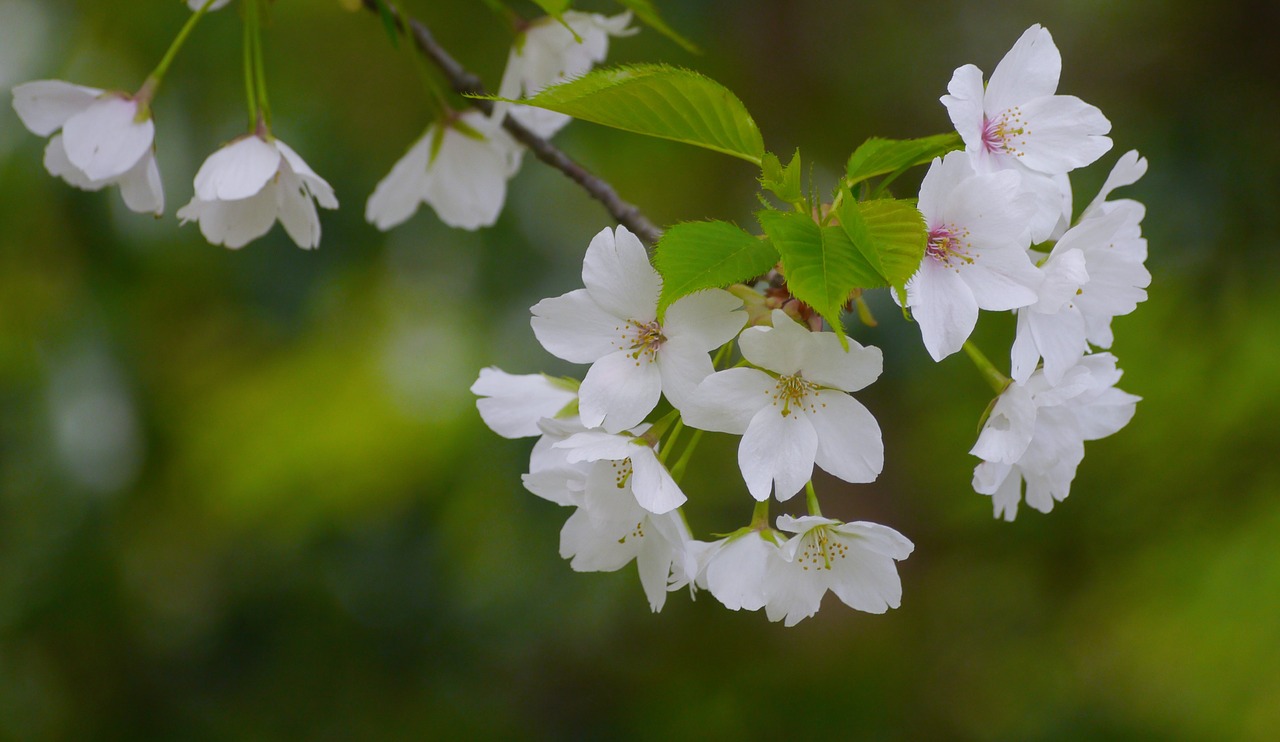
[947,241]
[642,338]
[1005,134]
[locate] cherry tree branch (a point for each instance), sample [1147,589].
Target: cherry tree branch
[465,82]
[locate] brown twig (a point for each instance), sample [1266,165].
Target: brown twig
[464,82]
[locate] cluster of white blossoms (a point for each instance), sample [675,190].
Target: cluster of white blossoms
[1000,238]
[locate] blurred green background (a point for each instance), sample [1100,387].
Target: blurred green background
[246,495]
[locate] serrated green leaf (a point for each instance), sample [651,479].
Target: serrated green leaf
[648,15]
[701,255]
[659,101]
[821,263]
[884,156]
[890,234]
[783,181]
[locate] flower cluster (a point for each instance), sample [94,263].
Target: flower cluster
[1000,237]
[789,399]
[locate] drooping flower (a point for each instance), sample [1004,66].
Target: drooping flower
[244,187]
[613,324]
[1036,433]
[100,139]
[976,257]
[1094,273]
[734,568]
[459,167]
[546,54]
[512,404]
[796,411]
[853,560]
[610,529]
[1016,120]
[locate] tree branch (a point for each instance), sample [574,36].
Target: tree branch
[465,82]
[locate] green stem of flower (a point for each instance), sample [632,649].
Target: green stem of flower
[149,87]
[670,445]
[677,471]
[722,355]
[997,380]
[250,85]
[811,499]
[260,75]
[760,516]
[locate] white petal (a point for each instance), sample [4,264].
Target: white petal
[232,223]
[1009,427]
[296,210]
[849,442]
[618,391]
[736,574]
[1106,415]
[619,277]
[1024,356]
[56,162]
[1127,171]
[104,141]
[561,486]
[992,208]
[652,485]
[1029,70]
[1064,133]
[777,452]
[397,195]
[964,107]
[793,594]
[575,328]
[45,105]
[654,564]
[943,178]
[726,401]
[237,171]
[944,307]
[141,187]
[683,363]
[708,318]
[781,348]
[1060,339]
[596,546]
[512,404]
[827,364]
[467,182]
[1064,275]
[1003,279]
[318,187]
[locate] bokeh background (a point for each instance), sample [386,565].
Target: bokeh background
[246,495]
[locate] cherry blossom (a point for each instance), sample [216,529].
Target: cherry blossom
[976,256]
[793,411]
[1016,120]
[243,188]
[100,138]
[459,167]
[511,405]
[634,460]
[613,324]
[546,54]
[1036,433]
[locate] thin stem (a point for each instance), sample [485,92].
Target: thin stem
[677,471]
[465,82]
[997,380]
[250,84]
[670,445]
[722,355]
[260,74]
[811,499]
[148,90]
[760,516]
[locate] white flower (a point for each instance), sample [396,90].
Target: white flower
[1094,273]
[1036,433]
[634,462]
[1017,120]
[613,325]
[548,54]
[459,168]
[551,475]
[733,569]
[244,187]
[511,405]
[976,256]
[102,141]
[853,560]
[610,529]
[798,417]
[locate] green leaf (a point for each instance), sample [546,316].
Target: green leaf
[883,156]
[783,181]
[389,22]
[648,15]
[890,234]
[821,263]
[701,255]
[659,101]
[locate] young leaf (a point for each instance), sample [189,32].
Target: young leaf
[648,15]
[701,255]
[883,156]
[890,234]
[659,101]
[783,181]
[822,265]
